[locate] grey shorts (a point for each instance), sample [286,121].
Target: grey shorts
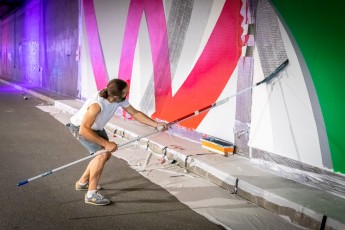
[92,147]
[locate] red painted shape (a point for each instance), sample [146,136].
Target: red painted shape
[212,71]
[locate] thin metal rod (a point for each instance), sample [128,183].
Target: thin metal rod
[82,159]
[85,158]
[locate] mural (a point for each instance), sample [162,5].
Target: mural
[208,76]
[182,55]
[318,42]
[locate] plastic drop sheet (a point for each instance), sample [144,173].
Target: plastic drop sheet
[327,181]
[204,197]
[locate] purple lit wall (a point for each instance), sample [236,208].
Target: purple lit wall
[39,43]
[28,44]
[7,47]
[59,43]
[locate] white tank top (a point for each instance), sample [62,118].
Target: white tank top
[107,111]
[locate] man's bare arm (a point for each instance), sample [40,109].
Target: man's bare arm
[86,131]
[143,118]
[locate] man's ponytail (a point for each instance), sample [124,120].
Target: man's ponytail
[114,88]
[103,93]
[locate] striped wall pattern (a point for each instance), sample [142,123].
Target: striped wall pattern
[180,56]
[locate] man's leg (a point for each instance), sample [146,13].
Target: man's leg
[93,171]
[86,175]
[96,169]
[96,165]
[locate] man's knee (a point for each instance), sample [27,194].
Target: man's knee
[105,156]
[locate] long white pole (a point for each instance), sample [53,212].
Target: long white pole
[195,113]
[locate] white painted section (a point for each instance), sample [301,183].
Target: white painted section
[134,98]
[167,6]
[282,118]
[142,66]
[261,133]
[87,81]
[197,34]
[111,22]
[220,121]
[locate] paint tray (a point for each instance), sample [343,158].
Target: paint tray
[217,145]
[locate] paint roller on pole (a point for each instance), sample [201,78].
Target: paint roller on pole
[195,113]
[225,100]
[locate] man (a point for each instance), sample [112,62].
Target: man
[88,125]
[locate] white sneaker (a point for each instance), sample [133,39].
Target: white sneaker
[96,199]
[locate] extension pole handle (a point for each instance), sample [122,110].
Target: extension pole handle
[62,167]
[195,113]
[23,182]
[83,159]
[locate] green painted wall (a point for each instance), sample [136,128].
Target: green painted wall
[318,28]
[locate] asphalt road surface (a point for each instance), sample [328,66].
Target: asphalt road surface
[33,142]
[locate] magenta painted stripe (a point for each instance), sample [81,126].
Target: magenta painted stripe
[96,55]
[130,39]
[156,22]
[160,50]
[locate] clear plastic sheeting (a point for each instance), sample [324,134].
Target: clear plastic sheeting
[204,197]
[307,175]
[215,203]
[241,129]
[241,133]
